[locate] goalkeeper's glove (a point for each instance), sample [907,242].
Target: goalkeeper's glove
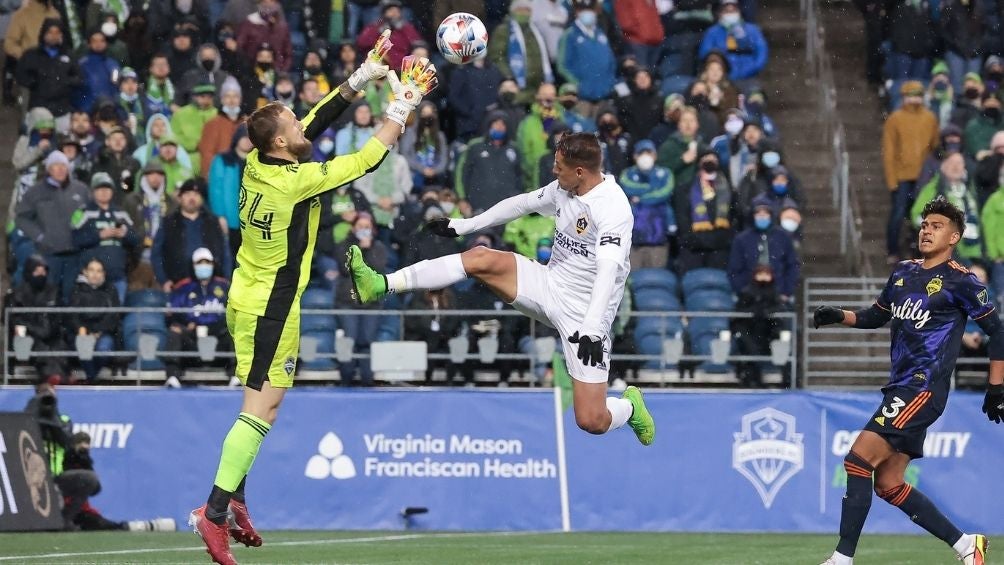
[826,315]
[993,403]
[590,348]
[418,78]
[440,227]
[373,66]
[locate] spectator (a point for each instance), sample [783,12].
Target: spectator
[722,94]
[783,187]
[377,94]
[992,223]
[99,73]
[352,137]
[950,142]
[981,128]
[362,329]
[416,243]
[568,97]
[114,160]
[679,152]
[488,171]
[159,92]
[961,30]
[911,30]
[82,132]
[764,244]
[104,231]
[969,104]
[424,147]
[236,11]
[108,22]
[218,133]
[550,17]
[649,188]
[875,17]
[339,209]
[345,63]
[45,329]
[732,148]
[313,69]
[177,172]
[742,43]
[697,97]
[641,110]
[158,130]
[129,104]
[44,216]
[756,109]
[533,131]
[206,294]
[616,143]
[31,149]
[148,204]
[181,58]
[512,111]
[49,74]
[93,291]
[225,175]
[754,335]
[80,165]
[703,209]
[310,95]
[940,96]
[951,184]
[791,222]
[138,42]
[642,29]
[524,233]
[586,59]
[987,175]
[993,73]
[190,120]
[385,189]
[685,24]
[285,92]
[672,107]
[209,72]
[188,228]
[22,36]
[403,35]
[545,165]
[434,328]
[908,136]
[518,50]
[164,14]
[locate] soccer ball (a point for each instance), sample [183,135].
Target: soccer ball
[461,38]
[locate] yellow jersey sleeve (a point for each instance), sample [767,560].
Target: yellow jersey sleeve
[314,178]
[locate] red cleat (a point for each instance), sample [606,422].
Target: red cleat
[215,536]
[241,528]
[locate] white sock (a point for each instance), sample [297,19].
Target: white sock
[431,274]
[841,559]
[620,410]
[963,545]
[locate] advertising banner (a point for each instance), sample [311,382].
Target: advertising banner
[487,460]
[28,500]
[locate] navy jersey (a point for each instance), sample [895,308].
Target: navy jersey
[929,308]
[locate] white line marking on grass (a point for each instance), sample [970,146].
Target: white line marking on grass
[398,537]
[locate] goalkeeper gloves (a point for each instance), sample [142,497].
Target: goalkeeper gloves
[418,78]
[440,227]
[826,315]
[373,67]
[590,348]
[993,403]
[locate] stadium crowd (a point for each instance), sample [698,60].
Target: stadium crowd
[937,67]
[130,155]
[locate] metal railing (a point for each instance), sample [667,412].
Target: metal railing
[666,362]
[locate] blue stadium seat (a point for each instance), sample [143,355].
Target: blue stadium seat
[649,300]
[649,345]
[148,298]
[659,279]
[659,327]
[317,299]
[700,344]
[704,279]
[325,345]
[146,322]
[698,326]
[674,83]
[390,324]
[710,300]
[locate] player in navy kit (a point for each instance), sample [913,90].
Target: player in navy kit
[928,301]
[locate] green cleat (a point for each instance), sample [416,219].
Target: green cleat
[640,421]
[367,284]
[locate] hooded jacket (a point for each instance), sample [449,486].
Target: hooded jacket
[588,61]
[188,123]
[97,70]
[908,136]
[28,154]
[217,138]
[745,254]
[198,75]
[225,174]
[50,78]
[24,23]
[749,53]
[254,31]
[488,172]
[151,147]
[42,327]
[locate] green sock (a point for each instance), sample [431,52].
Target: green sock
[239,450]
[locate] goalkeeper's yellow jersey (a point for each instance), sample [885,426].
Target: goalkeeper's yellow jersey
[279,214]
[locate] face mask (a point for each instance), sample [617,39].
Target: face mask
[521,18]
[128,97]
[699,100]
[608,126]
[761,223]
[38,282]
[645,161]
[940,86]
[729,20]
[954,147]
[770,159]
[265,67]
[789,225]
[208,64]
[971,93]
[779,188]
[709,167]
[364,233]
[109,29]
[428,120]
[447,207]
[313,70]
[507,98]
[543,254]
[326,146]
[587,18]
[496,134]
[549,103]
[733,126]
[568,104]
[754,107]
[285,94]
[993,114]
[232,111]
[203,272]
[995,77]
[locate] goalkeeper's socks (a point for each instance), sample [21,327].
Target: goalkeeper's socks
[431,274]
[921,510]
[238,494]
[239,451]
[856,504]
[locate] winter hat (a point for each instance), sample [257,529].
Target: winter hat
[644,145]
[56,157]
[206,88]
[517,4]
[230,85]
[153,166]
[128,73]
[992,61]
[912,88]
[102,179]
[939,68]
[975,77]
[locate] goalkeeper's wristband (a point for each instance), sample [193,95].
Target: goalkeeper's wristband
[398,112]
[356,81]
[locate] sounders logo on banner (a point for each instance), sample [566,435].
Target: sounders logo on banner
[428,456]
[767,451]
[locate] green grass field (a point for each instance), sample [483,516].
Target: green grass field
[401,548]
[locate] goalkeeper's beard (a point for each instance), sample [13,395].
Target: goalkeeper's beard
[303,151]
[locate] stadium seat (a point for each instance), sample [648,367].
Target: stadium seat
[652,300]
[655,279]
[651,325]
[325,346]
[318,299]
[700,344]
[650,344]
[148,298]
[136,323]
[710,300]
[705,279]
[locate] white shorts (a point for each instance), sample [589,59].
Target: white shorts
[536,298]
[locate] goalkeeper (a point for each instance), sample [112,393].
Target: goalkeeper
[279,213]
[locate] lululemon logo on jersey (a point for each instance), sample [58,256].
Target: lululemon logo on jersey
[330,460]
[581,224]
[914,311]
[768,452]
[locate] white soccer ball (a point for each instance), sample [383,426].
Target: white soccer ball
[462,38]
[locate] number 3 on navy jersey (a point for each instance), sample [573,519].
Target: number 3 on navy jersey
[892,410]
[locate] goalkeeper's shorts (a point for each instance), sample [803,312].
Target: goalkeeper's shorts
[266,348]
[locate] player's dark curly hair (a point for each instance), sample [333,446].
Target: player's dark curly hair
[945,208]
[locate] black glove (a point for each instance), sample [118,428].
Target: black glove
[993,403]
[826,315]
[440,227]
[590,349]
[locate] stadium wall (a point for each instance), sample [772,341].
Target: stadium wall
[354,459]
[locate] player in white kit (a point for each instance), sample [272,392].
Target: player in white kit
[577,292]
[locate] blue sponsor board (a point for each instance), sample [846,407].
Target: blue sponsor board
[491,461]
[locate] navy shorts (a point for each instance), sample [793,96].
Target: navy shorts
[903,419]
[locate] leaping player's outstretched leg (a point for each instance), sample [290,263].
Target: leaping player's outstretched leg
[595,412]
